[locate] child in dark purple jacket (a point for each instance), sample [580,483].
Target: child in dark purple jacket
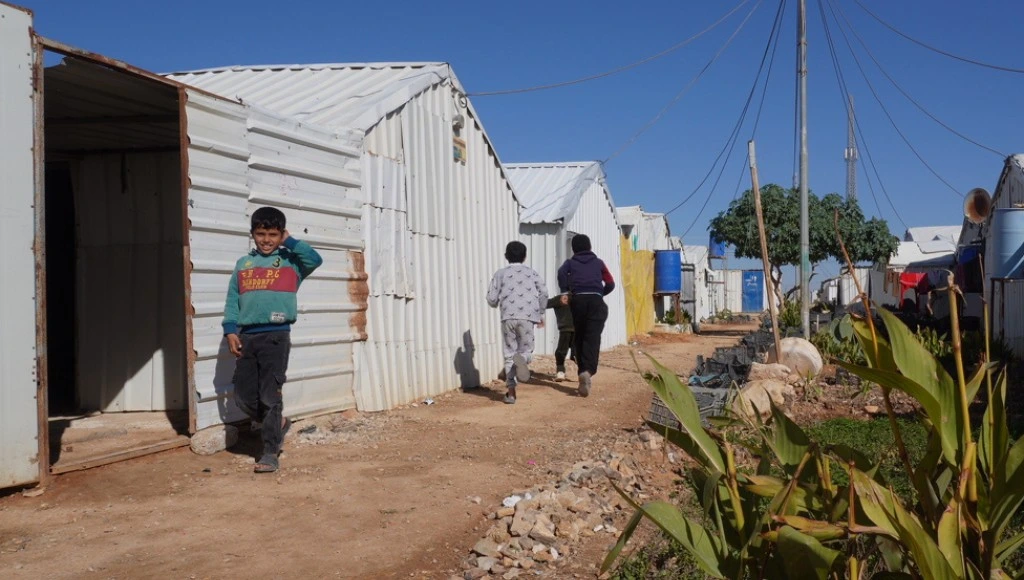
[587,281]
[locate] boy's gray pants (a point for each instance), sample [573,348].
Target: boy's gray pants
[518,339]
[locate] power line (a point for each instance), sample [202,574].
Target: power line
[920,107]
[760,106]
[629,143]
[614,71]
[935,49]
[885,110]
[743,114]
[845,95]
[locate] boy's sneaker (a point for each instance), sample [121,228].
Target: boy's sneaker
[510,396]
[519,365]
[560,377]
[584,384]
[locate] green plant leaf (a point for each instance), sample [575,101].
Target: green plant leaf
[887,513]
[917,364]
[875,501]
[710,491]
[803,556]
[1008,546]
[788,441]
[974,385]
[884,361]
[846,454]
[944,423]
[1008,491]
[949,540]
[892,555]
[925,469]
[767,486]
[679,399]
[816,529]
[627,533]
[707,550]
[995,436]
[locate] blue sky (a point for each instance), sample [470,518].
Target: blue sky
[494,46]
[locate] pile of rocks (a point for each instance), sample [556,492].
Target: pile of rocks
[535,530]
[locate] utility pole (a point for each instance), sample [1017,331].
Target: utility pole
[851,155]
[805,237]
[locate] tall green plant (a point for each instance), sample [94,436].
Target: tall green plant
[786,517]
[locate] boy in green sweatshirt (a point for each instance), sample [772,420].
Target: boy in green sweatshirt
[258,314]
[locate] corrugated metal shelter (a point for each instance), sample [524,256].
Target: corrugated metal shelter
[562,200]
[1004,295]
[645,230]
[126,203]
[924,234]
[697,285]
[437,213]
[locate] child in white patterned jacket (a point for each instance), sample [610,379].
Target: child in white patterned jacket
[522,296]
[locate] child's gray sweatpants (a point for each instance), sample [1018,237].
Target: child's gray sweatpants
[518,339]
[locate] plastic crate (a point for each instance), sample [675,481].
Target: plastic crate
[710,403]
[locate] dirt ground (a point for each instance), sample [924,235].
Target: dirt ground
[386,495]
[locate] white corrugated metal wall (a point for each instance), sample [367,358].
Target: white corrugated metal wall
[848,287]
[241,159]
[546,249]
[19,421]
[129,272]
[1007,321]
[437,231]
[595,217]
[698,257]
[1006,297]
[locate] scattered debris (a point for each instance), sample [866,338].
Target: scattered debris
[535,530]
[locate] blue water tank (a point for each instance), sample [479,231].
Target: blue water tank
[1007,240]
[668,272]
[753,291]
[716,249]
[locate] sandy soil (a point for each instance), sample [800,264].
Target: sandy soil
[382,495]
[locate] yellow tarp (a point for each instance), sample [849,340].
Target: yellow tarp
[638,284]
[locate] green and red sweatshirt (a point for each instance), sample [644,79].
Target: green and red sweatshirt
[261,294]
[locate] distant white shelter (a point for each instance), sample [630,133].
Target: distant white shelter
[697,291]
[437,212]
[560,201]
[645,230]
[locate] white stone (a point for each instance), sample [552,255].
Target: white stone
[214,439]
[776,371]
[799,355]
[759,395]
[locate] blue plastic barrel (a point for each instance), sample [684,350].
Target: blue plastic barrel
[1007,239]
[753,291]
[668,272]
[716,249]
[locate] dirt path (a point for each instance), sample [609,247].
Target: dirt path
[383,495]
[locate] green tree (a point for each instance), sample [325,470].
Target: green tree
[866,240]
